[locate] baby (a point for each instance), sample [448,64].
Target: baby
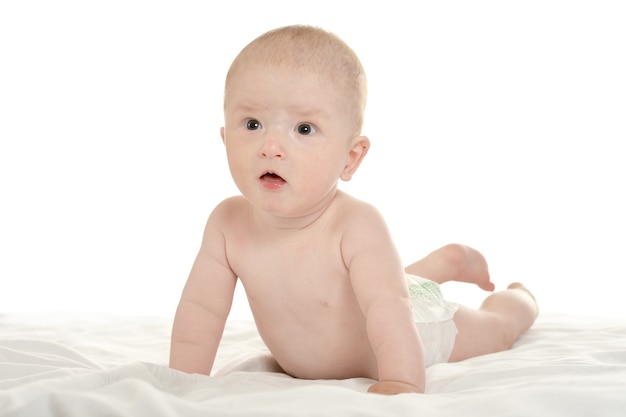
[324,281]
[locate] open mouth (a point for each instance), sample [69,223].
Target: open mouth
[272,180]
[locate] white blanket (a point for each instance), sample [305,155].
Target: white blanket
[104,365]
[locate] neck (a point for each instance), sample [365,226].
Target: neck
[277,224]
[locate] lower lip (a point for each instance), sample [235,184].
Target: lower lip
[272,184]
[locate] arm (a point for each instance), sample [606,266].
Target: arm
[380,286]
[204,304]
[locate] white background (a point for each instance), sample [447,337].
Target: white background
[496,124]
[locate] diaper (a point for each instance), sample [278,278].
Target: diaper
[433,317]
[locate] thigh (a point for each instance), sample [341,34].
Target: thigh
[479,332]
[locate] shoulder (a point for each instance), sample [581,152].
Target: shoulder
[230,208]
[227,213]
[223,222]
[365,234]
[352,211]
[234,202]
[360,222]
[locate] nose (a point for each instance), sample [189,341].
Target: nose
[271,148]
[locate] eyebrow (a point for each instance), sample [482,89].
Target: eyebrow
[301,111]
[248,107]
[311,112]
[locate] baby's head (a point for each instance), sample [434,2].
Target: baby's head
[313,50]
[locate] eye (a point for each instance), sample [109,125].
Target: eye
[253,124]
[305,129]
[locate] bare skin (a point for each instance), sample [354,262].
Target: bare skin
[323,278]
[307,311]
[501,319]
[312,322]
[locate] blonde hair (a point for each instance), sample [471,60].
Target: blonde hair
[311,49]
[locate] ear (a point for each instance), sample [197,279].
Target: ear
[358,150]
[222,133]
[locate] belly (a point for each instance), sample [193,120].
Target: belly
[320,345]
[311,321]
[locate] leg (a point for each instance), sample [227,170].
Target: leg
[501,319]
[454,262]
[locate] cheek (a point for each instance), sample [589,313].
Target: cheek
[323,171]
[236,151]
[231,157]
[236,163]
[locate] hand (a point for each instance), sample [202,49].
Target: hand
[393,388]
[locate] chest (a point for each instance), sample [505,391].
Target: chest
[306,271]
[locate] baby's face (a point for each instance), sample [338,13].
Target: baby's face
[287,135]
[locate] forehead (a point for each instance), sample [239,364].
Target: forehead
[304,51]
[271,85]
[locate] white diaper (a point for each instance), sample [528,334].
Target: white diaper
[433,317]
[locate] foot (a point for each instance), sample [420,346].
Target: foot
[472,268]
[454,262]
[520,286]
